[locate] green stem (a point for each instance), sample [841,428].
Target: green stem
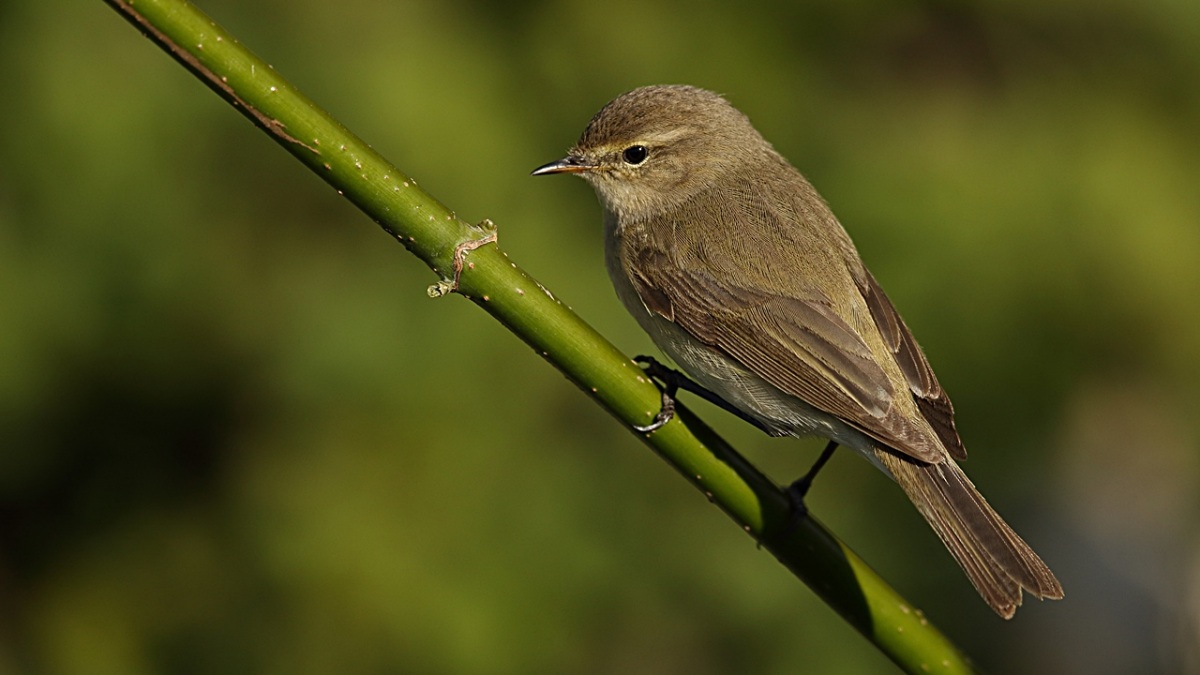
[486,276]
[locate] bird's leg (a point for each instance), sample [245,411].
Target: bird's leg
[673,381]
[799,488]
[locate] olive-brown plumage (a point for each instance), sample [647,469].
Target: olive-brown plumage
[739,271]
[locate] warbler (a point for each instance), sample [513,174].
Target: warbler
[741,274]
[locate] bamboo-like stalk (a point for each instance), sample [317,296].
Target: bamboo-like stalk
[469,262]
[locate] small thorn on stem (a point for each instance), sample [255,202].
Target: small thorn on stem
[446,286]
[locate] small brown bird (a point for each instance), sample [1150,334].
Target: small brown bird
[739,271]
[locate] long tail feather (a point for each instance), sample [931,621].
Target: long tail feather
[997,561]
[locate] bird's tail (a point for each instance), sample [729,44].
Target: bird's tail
[997,561]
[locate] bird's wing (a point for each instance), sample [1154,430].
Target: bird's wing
[933,403]
[788,332]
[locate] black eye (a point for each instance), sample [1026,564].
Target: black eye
[635,154]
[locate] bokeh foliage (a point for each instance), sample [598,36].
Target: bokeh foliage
[235,436]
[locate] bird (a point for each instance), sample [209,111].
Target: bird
[740,273]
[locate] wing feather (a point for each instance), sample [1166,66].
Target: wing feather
[799,346]
[781,326]
[933,403]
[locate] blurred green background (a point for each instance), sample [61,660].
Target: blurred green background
[236,437]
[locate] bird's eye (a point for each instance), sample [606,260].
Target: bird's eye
[635,154]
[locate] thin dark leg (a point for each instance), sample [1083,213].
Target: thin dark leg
[670,379]
[798,489]
[673,381]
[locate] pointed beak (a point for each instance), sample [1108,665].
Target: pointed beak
[568,164]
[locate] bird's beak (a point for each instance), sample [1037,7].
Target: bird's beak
[568,164]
